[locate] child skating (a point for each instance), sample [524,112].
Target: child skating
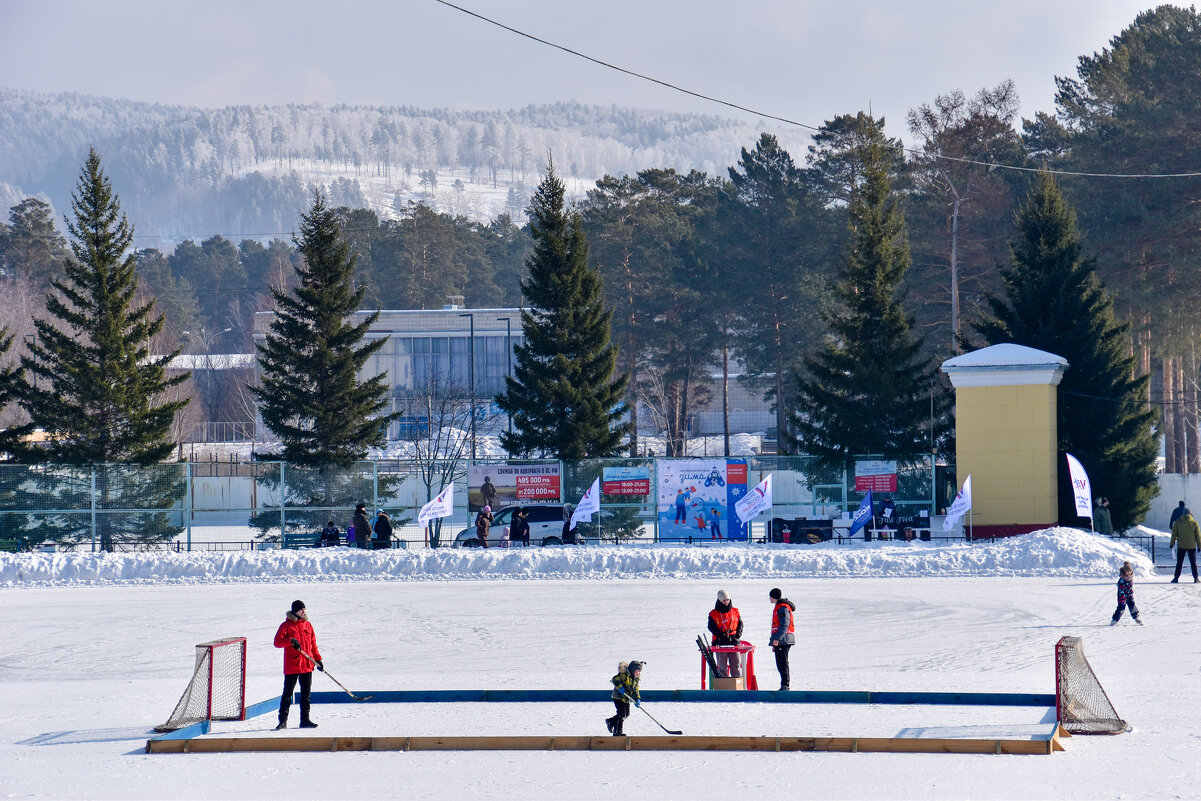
[1125,595]
[625,689]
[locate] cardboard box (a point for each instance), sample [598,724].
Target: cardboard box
[729,684]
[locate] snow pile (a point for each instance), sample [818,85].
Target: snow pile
[1052,552]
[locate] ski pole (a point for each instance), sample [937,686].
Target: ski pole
[335,681]
[652,717]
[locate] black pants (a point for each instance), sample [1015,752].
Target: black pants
[623,712]
[285,700]
[1117,615]
[1192,561]
[781,650]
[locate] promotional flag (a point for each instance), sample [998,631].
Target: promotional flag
[754,502]
[963,502]
[1081,488]
[862,514]
[589,504]
[442,506]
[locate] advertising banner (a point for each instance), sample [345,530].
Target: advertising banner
[876,476]
[696,498]
[499,485]
[1082,488]
[626,480]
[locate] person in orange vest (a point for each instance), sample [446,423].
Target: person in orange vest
[783,634]
[295,635]
[725,624]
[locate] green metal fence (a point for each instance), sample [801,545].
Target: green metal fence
[231,505]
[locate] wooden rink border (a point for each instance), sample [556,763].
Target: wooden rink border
[1040,744]
[192,739]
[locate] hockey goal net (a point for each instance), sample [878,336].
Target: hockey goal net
[1080,701]
[217,690]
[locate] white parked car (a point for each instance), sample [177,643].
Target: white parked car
[545,519]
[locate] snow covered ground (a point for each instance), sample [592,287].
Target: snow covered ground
[98,649]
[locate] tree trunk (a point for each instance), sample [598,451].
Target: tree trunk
[725,395]
[1193,463]
[1168,376]
[1178,417]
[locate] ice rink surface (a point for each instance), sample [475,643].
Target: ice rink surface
[86,672]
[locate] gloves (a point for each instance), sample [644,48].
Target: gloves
[296,643]
[320,665]
[637,704]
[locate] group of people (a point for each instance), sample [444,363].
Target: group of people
[361,533]
[725,627]
[519,529]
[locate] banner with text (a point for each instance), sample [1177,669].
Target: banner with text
[626,480]
[499,485]
[875,476]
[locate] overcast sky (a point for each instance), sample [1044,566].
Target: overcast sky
[804,60]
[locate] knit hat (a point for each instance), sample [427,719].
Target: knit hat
[634,667]
[776,593]
[297,606]
[487,508]
[722,596]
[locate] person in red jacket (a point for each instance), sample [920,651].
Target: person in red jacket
[295,635]
[725,624]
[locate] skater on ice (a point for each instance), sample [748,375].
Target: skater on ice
[725,624]
[1125,595]
[295,635]
[625,690]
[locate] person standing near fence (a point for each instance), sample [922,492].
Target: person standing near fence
[383,529]
[1185,537]
[362,526]
[519,531]
[483,522]
[1102,522]
[783,634]
[725,624]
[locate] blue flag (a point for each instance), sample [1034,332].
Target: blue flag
[863,514]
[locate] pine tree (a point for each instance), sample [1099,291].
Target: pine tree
[311,395]
[868,389]
[563,399]
[10,387]
[97,392]
[1054,302]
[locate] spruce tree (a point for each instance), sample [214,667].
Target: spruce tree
[563,399]
[1054,302]
[311,395]
[97,392]
[10,387]
[869,389]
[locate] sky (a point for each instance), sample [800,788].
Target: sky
[803,60]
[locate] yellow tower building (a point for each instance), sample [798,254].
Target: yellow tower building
[1006,436]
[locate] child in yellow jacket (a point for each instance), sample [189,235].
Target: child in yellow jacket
[625,689]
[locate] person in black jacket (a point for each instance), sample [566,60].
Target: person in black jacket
[330,536]
[569,527]
[362,527]
[519,531]
[383,529]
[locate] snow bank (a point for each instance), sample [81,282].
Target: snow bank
[1052,552]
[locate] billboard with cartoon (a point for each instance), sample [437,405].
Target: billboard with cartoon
[696,498]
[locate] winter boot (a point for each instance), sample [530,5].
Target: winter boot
[1113,622]
[283,724]
[1138,621]
[307,724]
[609,724]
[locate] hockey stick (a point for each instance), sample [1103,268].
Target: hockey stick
[331,678]
[652,717]
[708,654]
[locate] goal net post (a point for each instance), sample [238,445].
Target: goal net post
[1081,704]
[217,690]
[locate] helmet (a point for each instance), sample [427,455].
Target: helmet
[634,667]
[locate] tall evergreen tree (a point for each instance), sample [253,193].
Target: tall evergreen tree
[311,395]
[30,246]
[99,396]
[563,398]
[868,389]
[1054,302]
[10,387]
[98,393]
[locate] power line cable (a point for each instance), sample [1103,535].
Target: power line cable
[786,120]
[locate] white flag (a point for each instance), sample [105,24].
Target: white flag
[1081,488]
[589,504]
[755,501]
[442,506]
[963,502]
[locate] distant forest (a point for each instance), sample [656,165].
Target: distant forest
[717,242]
